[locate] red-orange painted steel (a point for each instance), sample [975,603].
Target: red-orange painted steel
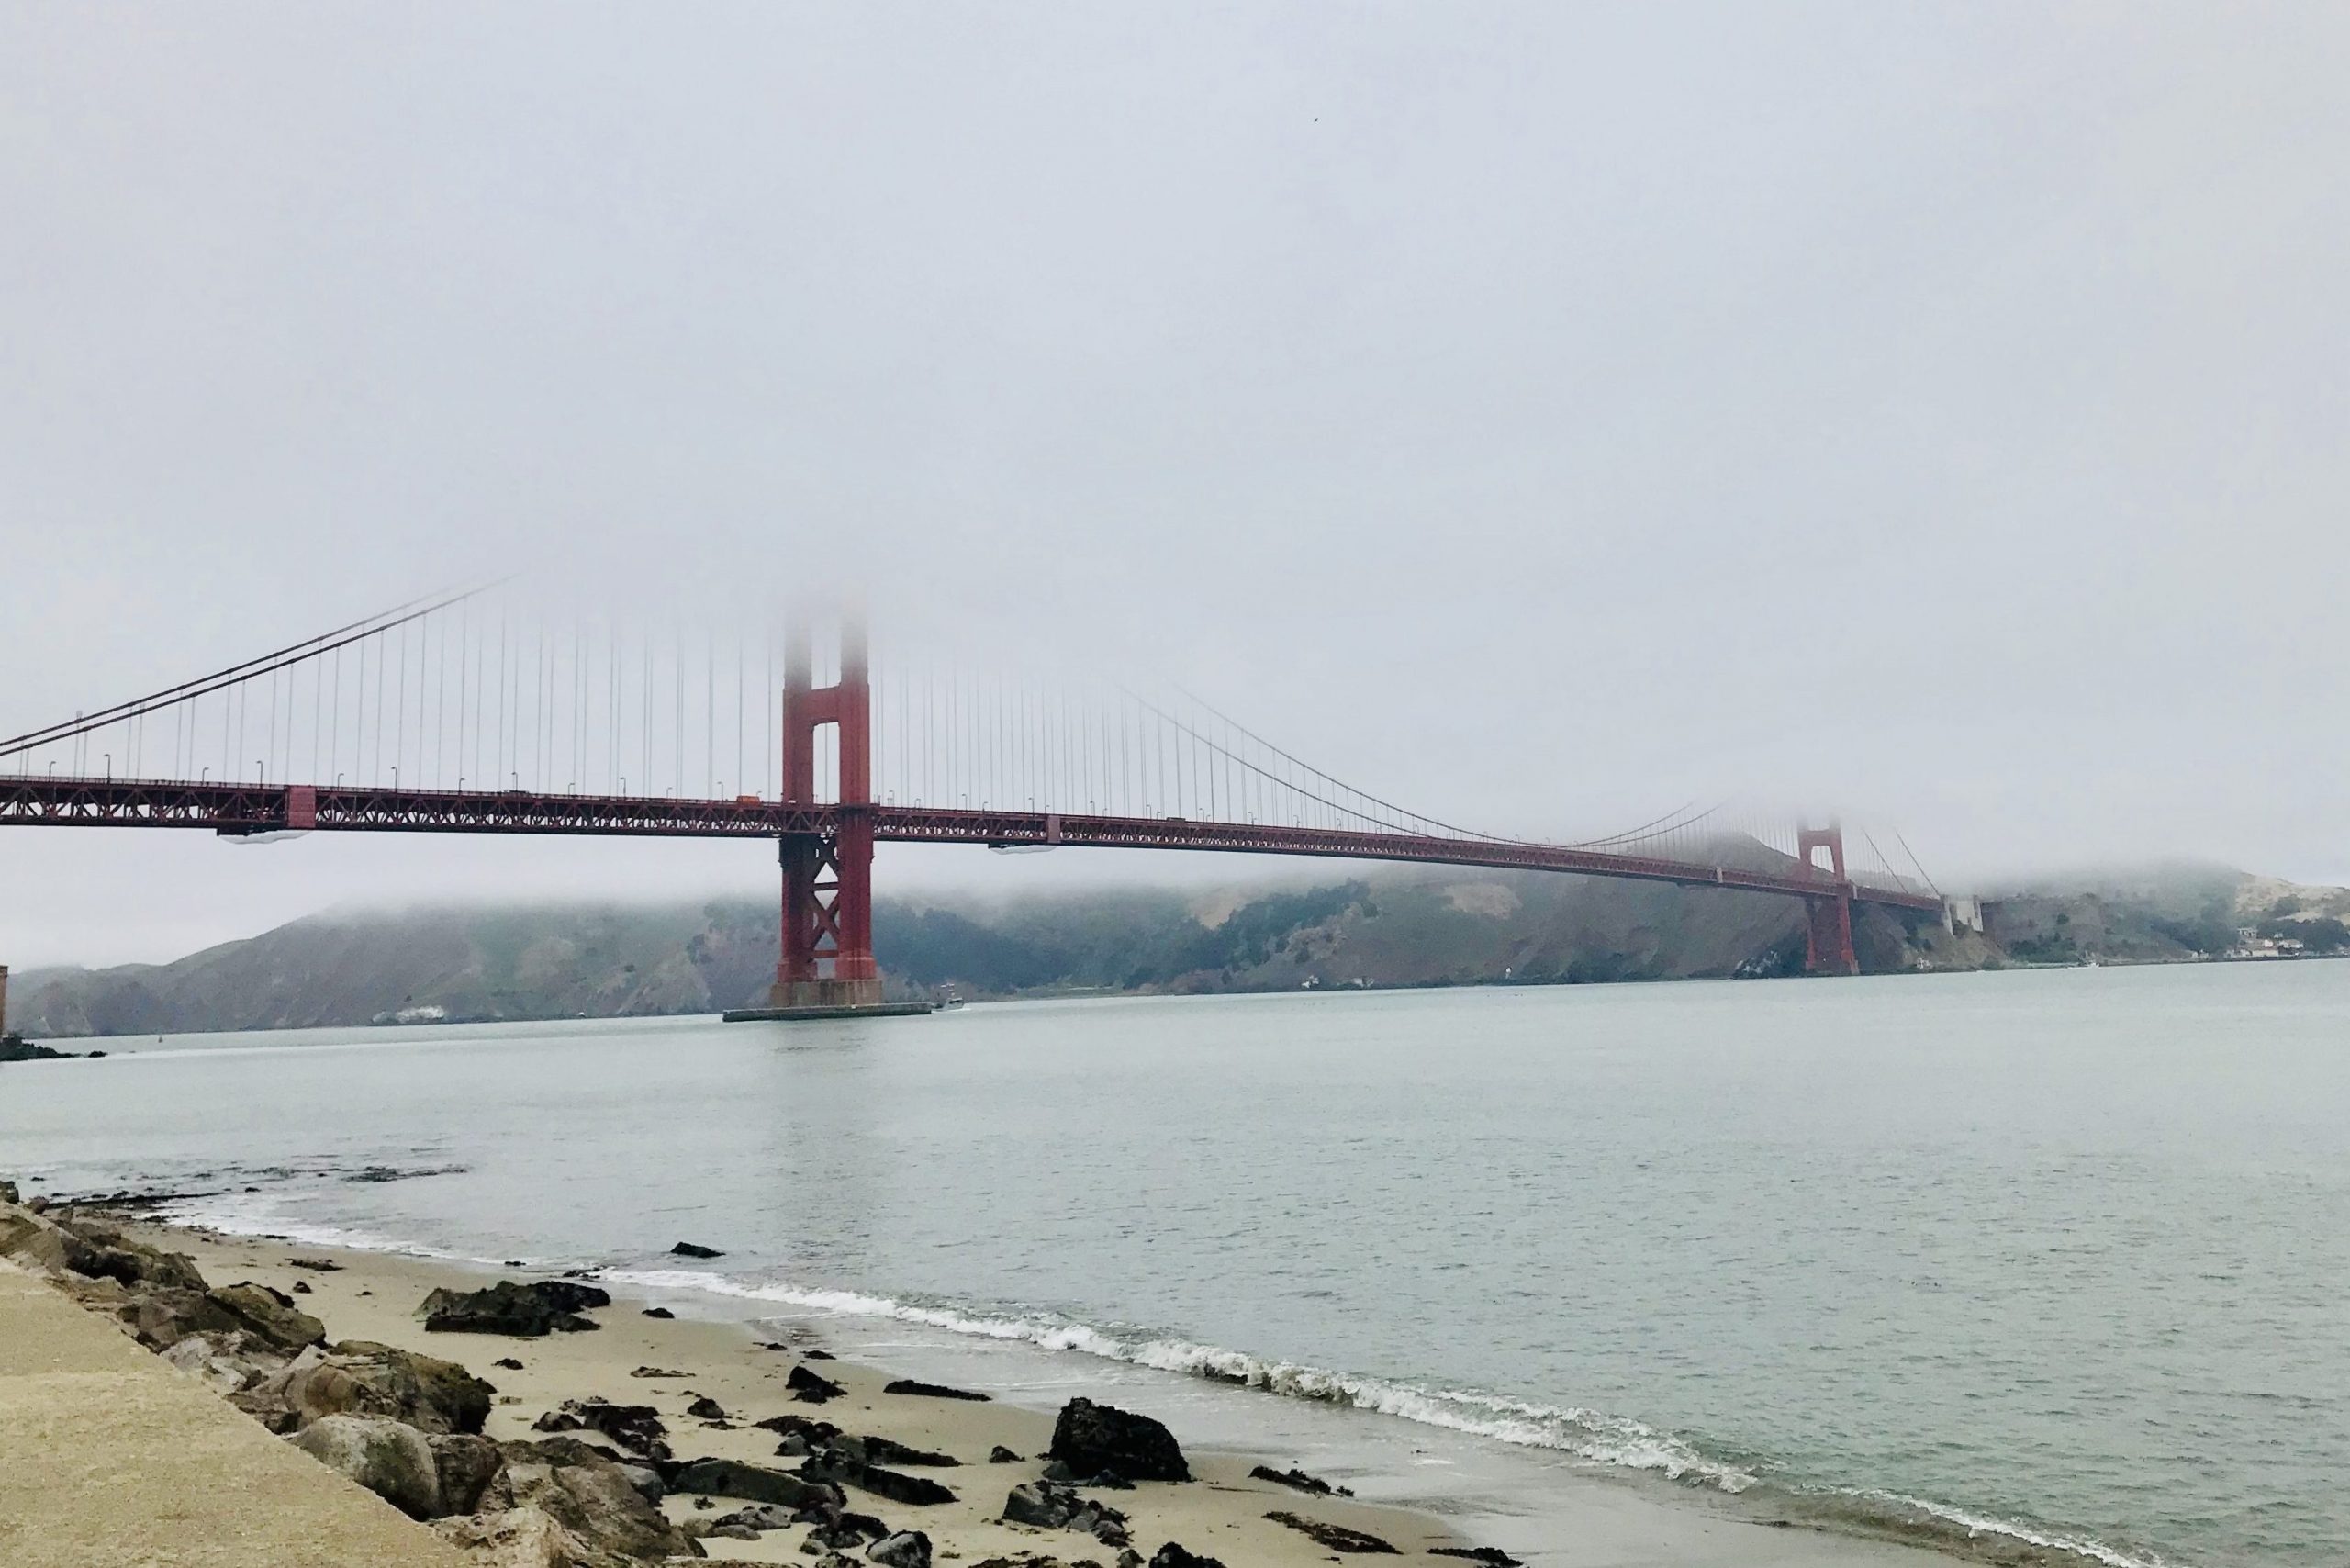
[256,808]
[827,915]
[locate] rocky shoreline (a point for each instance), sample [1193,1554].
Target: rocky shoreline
[15,1047]
[760,1451]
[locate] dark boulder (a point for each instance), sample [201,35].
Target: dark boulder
[1174,1556]
[706,1409]
[105,1253]
[753,1483]
[689,1250]
[1298,1481]
[519,1311]
[633,1426]
[1001,1455]
[930,1390]
[907,1549]
[888,1451]
[1058,1470]
[1091,1438]
[569,1295]
[841,1465]
[1337,1538]
[811,1387]
[467,1463]
[268,1316]
[759,1516]
[658,1311]
[1491,1556]
[1050,1507]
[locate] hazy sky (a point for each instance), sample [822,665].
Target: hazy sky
[1541,415]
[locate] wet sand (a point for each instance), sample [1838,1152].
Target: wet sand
[375,1295]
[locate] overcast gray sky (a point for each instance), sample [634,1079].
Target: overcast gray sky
[1539,414]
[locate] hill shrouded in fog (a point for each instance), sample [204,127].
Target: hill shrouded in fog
[1386,928]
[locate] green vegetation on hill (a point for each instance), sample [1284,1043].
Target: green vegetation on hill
[1395,927]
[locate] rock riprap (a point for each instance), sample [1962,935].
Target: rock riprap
[389,1457]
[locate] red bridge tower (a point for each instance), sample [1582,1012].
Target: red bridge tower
[828,876]
[1827,948]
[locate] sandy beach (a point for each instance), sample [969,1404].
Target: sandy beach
[675,1364]
[375,1296]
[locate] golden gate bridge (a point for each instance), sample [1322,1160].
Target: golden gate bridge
[455,713]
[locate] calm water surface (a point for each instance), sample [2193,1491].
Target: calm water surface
[2068,1250]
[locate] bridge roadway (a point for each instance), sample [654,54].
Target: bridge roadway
[250,809]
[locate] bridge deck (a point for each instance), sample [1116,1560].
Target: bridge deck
[251,809]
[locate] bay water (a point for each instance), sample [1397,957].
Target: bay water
[2059,1253]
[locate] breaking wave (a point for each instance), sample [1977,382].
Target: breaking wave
[1593,1437]
[1603,1439]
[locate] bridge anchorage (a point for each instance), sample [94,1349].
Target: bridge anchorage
[393,723]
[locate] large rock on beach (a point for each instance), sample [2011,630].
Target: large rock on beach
[35,1241]
[467,1465]
[907,1549]
[1092,1438]
[107,1253]
[838,1464]
[161,1317]
[1050,1507]
[232,1361]
[754,1484]
[811,1386]
[592,1497]
[527,1538]
[518,1311]
[389,1457]
[269,1317]
[1173,1556]
[633,1426]
[362,1377]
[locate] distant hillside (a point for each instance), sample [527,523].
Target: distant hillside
[1388,928]
[2164,914]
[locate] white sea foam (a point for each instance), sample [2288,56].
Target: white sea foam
[1983,1524]
[256,1215]
[1591,1436]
